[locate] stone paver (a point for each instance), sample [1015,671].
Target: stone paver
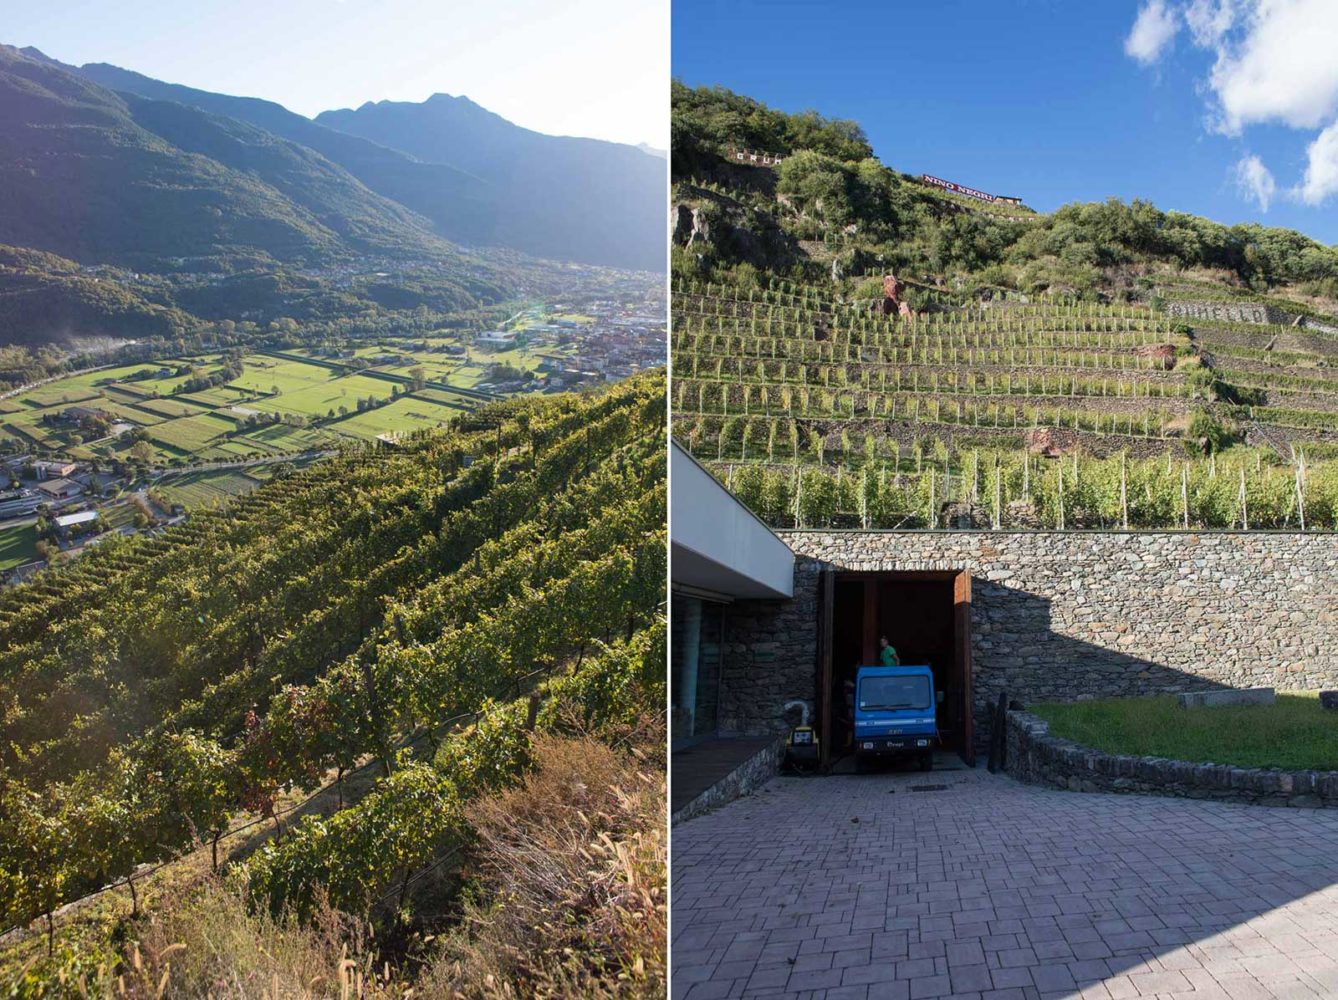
[858,887]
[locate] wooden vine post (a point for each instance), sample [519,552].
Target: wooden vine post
[1124,493]
[1184,492]
[1244,513]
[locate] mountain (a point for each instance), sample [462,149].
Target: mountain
[481,180]
[105,177]
[572,198]
[461,207]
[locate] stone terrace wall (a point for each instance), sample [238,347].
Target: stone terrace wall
[1229,312]
[1243,312]
[1035,756]
[1059,616]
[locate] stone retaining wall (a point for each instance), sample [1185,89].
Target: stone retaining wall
[743,780]
[1228,312]
[1244,312]
[1035,756]
[1064,615]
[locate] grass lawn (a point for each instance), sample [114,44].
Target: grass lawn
[1293,734]
[18,545]
[404,415]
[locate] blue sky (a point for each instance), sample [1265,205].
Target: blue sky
[584,67]
[1210,106]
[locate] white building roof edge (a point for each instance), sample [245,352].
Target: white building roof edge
[718,545]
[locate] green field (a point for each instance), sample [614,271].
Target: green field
[173,407]
[1295,733]
[402,416]
[185,427]
[18,545]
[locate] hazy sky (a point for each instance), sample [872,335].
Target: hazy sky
[582,67]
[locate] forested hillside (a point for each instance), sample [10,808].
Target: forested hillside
[101,177]
[463,206]
[409,634]
[831,208]
[1103,366]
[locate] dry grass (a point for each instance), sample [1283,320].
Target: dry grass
[569,884]
[207,944]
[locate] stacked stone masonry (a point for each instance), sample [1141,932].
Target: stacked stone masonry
[743,780]
[1244,312]
[1034,755]
[1060,616]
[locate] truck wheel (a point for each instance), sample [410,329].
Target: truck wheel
[927,761]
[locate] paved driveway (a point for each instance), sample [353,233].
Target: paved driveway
[858,887]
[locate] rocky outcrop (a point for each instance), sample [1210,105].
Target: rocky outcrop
[689,225]
[1165,353]
[1051,442]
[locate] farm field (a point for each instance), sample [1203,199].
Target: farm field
[210,422]
[200,489]
[1056,414]
[401,416]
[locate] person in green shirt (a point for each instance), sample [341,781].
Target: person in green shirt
[887,654]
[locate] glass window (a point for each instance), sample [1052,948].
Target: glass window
[695,668]
[880,693]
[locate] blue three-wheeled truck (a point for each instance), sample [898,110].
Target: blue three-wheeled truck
[894,714]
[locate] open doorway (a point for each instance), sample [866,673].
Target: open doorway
[926,616]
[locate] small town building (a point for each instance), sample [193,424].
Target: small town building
[19,503]
[77,414]
[60,489]
[496,338]
[55,470]
[70,520]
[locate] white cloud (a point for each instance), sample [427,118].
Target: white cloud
[1255,181]
[1321,174]
[1282,68]
[1210,20]
[1152,32]
[1275,63]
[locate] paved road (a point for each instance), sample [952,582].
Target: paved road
[858,887]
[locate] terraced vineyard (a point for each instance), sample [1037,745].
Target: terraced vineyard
[394,611]
[1058,413]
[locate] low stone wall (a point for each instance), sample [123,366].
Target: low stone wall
[743,780]
[1035,756]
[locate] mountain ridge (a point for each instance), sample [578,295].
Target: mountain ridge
[460,194]
[109,177]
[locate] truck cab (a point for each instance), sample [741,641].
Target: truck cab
[894,714]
